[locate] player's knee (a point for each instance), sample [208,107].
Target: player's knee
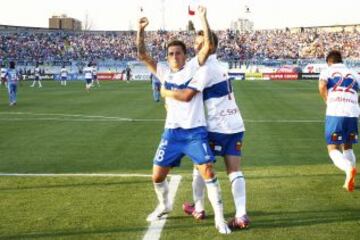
[158,177]
[232,164]
[332,147]
[347,146]
[207,171]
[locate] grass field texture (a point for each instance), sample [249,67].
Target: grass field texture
[293,190]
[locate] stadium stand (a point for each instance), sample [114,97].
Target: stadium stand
[112,50]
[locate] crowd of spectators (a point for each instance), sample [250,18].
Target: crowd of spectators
[62,47]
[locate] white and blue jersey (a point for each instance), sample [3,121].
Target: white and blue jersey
[88,74]
[3,73]
[180,114]
[37,73]
[63,73]
[94,73]
[342,110]
[185,127]
[12,78]
[224,122]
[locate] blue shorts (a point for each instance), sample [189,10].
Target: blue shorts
[176,143]
[340,130]
[88,81]
[37,78]
[226,144]
[63,78]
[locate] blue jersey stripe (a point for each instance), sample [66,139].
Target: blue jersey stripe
[218,90]
[174,86]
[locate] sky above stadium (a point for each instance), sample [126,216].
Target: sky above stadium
[123,14]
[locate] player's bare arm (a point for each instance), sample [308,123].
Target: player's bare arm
[184,95]
[323,90]
[140,43]
[208,44]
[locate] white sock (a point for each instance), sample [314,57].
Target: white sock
[198,186]
[40,84]
[214,195]
[339,161]
[349,154]
[239,192]
[162,193]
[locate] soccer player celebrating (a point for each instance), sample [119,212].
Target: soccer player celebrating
[185,132]
[339,86]
[63,75]
[12,78]
[37,76]
[226,129]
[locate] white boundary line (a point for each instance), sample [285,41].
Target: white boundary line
[80,120]
[74,175]
[65,116]
[88,118]
[155,228]
[61,115]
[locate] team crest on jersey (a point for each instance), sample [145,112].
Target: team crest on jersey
[353,136]
[217,148]
[238,146]
[336,137]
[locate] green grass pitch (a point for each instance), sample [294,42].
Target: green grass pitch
[293,190]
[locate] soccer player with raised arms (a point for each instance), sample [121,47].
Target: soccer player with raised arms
[226,130]
[185,127]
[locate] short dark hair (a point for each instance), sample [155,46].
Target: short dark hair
[12,65]
[334,56]
[214,36]
[176,43]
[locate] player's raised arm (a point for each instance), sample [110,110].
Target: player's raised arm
[140,43]
[183,95]
[208,39]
